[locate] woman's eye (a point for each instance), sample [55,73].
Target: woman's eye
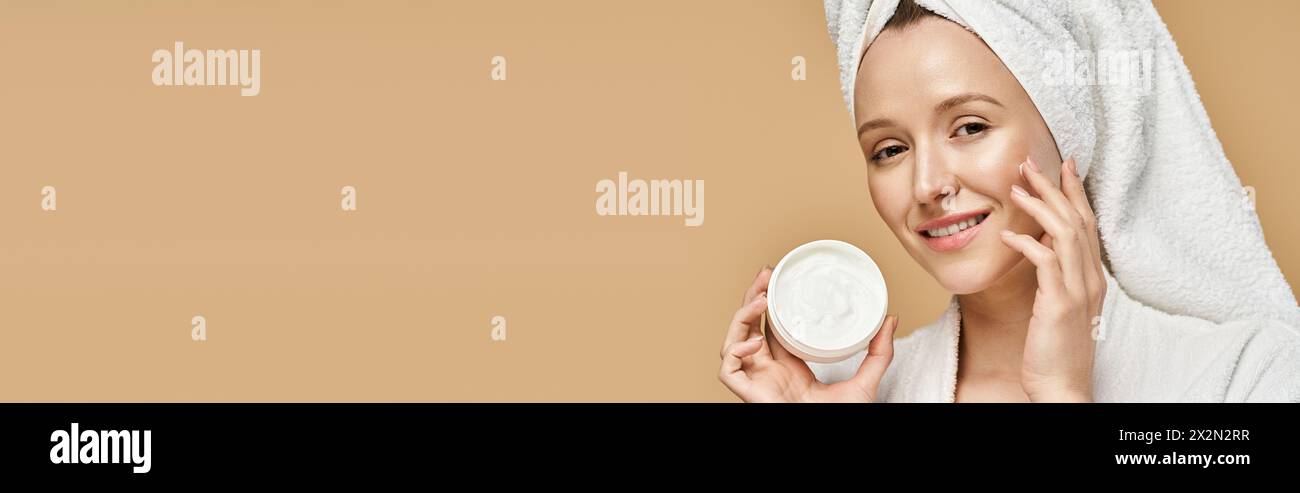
[888,152]
[971,128]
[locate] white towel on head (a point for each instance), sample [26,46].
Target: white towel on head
[1178,230]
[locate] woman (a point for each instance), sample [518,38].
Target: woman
[965,127]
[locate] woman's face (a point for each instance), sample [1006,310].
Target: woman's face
[944,126]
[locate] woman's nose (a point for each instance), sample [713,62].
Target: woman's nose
[932,181]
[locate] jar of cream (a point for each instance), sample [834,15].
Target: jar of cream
[825,300]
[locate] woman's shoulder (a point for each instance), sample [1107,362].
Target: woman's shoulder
[916,371]
[1267,365]
[922,364]
[1152,355]
[907,349]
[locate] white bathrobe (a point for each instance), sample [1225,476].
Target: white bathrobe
[1144,355]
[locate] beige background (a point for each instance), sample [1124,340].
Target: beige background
[476,198]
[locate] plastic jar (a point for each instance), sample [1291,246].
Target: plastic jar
[826,299]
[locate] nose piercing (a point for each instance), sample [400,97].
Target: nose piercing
[949,198]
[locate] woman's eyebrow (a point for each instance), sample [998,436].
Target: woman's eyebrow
[961,99]
[943,106]
[874,124]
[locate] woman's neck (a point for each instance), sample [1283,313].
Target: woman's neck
[995,322]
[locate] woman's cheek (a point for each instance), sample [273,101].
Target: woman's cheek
[992,166]
[891,196]
[997,158]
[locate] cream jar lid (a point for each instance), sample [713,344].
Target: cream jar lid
[826,300]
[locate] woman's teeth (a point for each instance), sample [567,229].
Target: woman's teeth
[954,228]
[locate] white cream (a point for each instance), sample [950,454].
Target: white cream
[828,296]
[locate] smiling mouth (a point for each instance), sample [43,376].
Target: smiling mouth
[949,235]
[953,229]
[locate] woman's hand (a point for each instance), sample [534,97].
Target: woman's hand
[758,369]
[1058,352]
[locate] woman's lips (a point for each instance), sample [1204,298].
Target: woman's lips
[956,240]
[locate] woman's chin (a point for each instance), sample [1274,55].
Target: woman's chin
[972,276]
[964,286]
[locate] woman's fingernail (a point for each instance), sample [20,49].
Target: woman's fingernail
[1033,165]
[1019,191]
[1074,166]
[1007,233]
